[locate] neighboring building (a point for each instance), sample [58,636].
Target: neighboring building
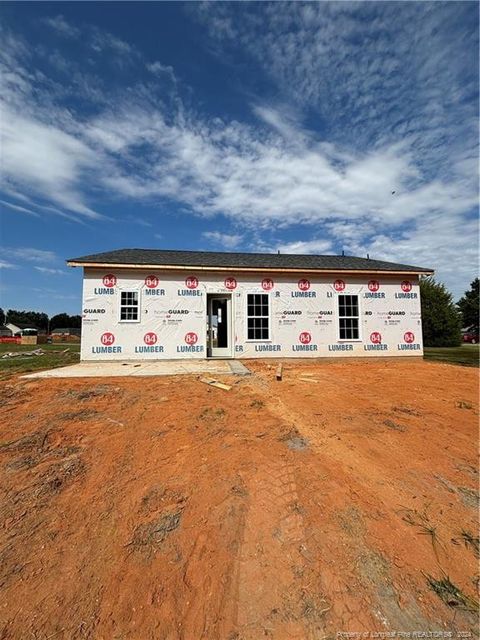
[5,332]
[25,329]
[147,304]
[66,334]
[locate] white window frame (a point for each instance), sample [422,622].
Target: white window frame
[263,293]
[129,305]
[337,312]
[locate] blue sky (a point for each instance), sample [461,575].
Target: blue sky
[236,126]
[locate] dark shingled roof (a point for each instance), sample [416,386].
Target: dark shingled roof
[158,257]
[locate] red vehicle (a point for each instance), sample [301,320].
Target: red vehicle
[470,335]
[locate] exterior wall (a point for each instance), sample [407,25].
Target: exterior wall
[303,315]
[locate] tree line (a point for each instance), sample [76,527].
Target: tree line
[442,319]
[40,320]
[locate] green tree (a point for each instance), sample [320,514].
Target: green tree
[469,305]
[63,321]
[440,318]
[33,318]
[2,317]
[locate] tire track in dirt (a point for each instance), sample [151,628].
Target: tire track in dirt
[362,586]
[271,591]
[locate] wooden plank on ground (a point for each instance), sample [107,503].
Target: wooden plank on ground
[308,380]
[279,371]
[215,383]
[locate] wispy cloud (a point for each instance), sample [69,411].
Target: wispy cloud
[49,271]
[309,246]
[29,254]
[99,40]
[26,143]
[7,265]
[159,69]
[225,240]
[62,27]
[372,72]
[19,208]
[141,222]
[102,41]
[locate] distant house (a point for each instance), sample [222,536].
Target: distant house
[24,329]
[5,332]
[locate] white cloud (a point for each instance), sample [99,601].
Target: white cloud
[102,41]
[27,143]
[7,265]
[283,121]
[62,27]
[225,240]
[258,177]
[17,207]
[97,39]
[309,246]
[372,73]
[29,254]
[49,271]
[159,69]
[134,219]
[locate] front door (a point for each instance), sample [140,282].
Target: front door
[219,330]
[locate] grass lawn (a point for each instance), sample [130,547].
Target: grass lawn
[50,359]
[466,355]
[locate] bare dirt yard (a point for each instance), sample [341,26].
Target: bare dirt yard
[342,499]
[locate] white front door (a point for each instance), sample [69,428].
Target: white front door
[219,326]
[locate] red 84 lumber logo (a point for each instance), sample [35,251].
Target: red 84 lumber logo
[304,284]
[191,337]
[191,282]
[109,280]
[151,282]
[305,337]
[409,337]
[150,338]
[267,284]
[230,283]
[107,338]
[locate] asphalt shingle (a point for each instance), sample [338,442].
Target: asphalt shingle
[158,257]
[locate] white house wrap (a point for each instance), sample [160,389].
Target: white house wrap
[197,308]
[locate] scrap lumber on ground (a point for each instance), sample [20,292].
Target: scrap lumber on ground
[215,383]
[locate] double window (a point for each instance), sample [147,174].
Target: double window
[129,306]
[348,317]
[258,316]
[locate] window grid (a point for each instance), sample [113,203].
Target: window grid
[348,315]
[258,316]
[129,306]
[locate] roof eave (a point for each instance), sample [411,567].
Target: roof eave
[123,265]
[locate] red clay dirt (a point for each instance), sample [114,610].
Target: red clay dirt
[163,508]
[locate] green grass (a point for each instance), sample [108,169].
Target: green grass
[50,359]
[466,355]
